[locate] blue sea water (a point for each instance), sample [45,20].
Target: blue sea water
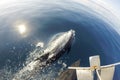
[94,35]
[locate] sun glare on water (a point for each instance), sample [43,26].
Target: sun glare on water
[21,29]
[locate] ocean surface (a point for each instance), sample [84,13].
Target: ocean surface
[96,27]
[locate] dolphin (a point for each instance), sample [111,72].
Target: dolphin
[54,50]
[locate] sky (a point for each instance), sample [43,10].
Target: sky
[115,4]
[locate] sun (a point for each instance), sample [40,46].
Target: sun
[21,29]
